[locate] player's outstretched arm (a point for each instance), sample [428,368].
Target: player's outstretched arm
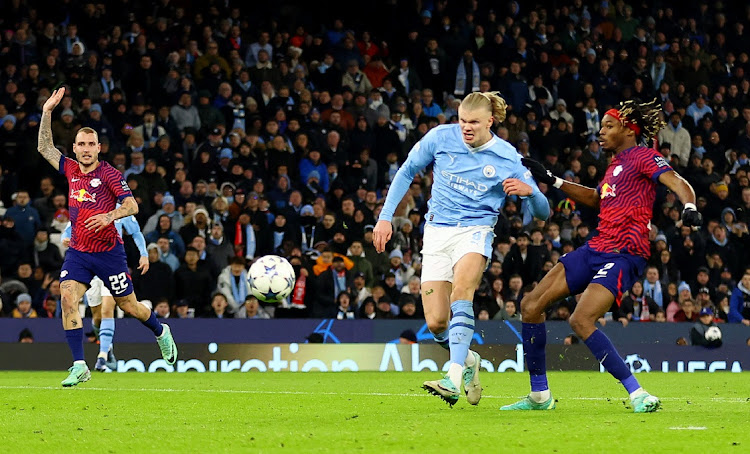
[691,217]
[46,145]
[130,225]
[579,193]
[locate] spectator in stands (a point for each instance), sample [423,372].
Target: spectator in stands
[401,271]
[367,309]
[359,291]
[361,263]
[193,282]
[23,307]
[219,307]
[232,283]
[161,308]
[185,114]
[508,311]
[739,303]
[514,292]
[199,225]
[408,308]
[331,282]
[355,79]
[706,332]
[252,309]
[345,309]
[678,138]
[166,228]
[652,286]
[44,203]
[384,307]
[168,209]
[45,254]
[521,261]
[158,283]
[165,253]
[219,246]
[25,336]
[636,306]
[182,310]
[25,216]
[688,311]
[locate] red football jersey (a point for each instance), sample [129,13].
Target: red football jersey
[627,193]
[91,194]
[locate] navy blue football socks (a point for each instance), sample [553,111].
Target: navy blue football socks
[75,342]
[534,337]
[607,355]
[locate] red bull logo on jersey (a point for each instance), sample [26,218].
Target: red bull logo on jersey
[607,190]
[82,195]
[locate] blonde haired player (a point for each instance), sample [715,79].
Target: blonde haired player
[474,170]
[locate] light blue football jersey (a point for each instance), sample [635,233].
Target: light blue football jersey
[468,182]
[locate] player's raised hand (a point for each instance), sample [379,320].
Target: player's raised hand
[381,234]
[514,186]
[98,221]
[538,171]
[53,100]
[143,264]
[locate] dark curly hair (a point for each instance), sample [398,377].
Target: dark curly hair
[645,115]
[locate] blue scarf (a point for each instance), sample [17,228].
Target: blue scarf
[461,78]
[239,292]
[278,237]
[339,282]
[251,241]
[720,243]
[245,86]
[657,73]
[654,291]
[107,86]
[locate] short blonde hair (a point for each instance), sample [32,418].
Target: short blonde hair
[491,101]
[88,130]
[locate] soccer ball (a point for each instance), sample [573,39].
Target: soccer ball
[713,333]
[271,278]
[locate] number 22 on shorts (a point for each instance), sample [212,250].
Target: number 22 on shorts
[119,283]
[603,270]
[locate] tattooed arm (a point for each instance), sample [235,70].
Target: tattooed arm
[129,206]
[46,145]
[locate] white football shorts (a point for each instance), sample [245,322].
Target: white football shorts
[96,291]
[443,247]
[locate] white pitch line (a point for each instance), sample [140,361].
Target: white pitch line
[371,394]
[689,428]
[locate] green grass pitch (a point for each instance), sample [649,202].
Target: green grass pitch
[365,412]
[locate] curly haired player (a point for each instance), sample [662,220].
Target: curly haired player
[611,261]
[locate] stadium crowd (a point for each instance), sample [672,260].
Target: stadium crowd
[250,129]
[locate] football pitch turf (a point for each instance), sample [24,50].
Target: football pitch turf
[347,412]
